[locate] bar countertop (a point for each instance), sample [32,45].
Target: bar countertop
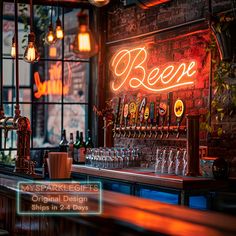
[147,176]
[147,216]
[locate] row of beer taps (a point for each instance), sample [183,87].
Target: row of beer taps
[149,132]
[141,119]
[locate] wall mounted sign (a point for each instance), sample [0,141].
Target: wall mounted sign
[54,85]
[178,108]
[129,69]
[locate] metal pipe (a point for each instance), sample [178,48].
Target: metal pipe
[17,107]
[157,31]
[31,15]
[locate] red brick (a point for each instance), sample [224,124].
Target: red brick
[176,45]
[203,111]
[205,92]
[198,102]
[200,84]
[189,94]
[197,93]
[189,104]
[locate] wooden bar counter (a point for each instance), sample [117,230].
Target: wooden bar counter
[121,215]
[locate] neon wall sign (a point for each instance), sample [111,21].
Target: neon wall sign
[54,85]
[129,69]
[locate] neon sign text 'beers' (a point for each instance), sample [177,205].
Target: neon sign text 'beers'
[129,68]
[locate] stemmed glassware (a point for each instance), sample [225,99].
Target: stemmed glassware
[171,160]
[109,158]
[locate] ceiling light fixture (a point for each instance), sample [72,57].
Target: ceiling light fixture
[50,36]
[84,44]
[31,53]
[99,3]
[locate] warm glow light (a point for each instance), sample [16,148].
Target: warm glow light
[59,30]
[50,37]
[54,85]
[84,43]
[31,53]
[129,68]
[99,3]
[13,50]
[52,51]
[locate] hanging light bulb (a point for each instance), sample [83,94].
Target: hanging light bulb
[50,36]
[13,48]
[99,3]
[84,44]
[59,30]
[31,53]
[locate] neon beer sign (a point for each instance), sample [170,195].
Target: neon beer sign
[54,85]
[129,68]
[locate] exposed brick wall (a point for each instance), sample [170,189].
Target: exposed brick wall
[124,22]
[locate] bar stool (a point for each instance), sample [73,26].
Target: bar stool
[3,232]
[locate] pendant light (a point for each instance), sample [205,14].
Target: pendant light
[59,29]
[84,44]
[31,53]
[13,48]
[99,3]
[50,36]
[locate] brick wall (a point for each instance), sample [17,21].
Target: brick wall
[171,45]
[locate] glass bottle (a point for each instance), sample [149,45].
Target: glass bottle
[89,145]
[81,149]
[71,147]
[89,142]
[45,171]
[63,145]
[76,147]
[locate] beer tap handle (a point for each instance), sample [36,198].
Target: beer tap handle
[114,131]
[139,133]
[179,112]
[156,133]
[177,135]
[150,132]
[145,133]
[119,135]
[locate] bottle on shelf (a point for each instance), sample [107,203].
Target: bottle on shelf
[45,172]
[89,145]
[81,149]
[63,145]
[71,147]
[76,148]
[89,142]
